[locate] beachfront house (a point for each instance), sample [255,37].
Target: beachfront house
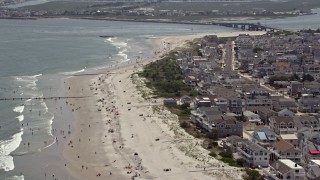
[202,102]
[285,169]
[232,143]
[226,126]
[201,114]
[254,154]
[212,119]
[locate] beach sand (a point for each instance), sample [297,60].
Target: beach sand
[117,134]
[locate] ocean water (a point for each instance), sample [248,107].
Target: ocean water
[35,57]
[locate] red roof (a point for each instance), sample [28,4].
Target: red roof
[314,152]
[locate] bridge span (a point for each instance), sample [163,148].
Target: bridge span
[247,26]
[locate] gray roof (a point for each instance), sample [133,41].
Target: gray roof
[306,118]
[185,96]
[282,168]
[287,102]
[316,171]
[309,133]
[279,119]
[265,110]
[253,146]
[262,135]
[283,111]
[217,119]
[267,131]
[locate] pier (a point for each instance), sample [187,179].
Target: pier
[247,26]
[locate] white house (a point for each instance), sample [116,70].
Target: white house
[285,169]
[252,117]
[254,154]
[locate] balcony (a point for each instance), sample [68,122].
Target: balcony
[285,156]
[287,130]
[244,154]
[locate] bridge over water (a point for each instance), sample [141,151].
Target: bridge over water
[247,26]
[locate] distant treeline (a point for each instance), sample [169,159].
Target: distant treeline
[310,31]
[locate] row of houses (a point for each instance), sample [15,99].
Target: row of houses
[289,56]
[263,127]
[272,150]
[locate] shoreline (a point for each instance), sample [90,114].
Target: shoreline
[115,129]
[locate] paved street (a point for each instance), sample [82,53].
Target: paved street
[228,58]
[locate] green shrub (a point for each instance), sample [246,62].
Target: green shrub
[193,93]
[229,161]
[184,125]
[215,143]
[226,154]
[240,162]
[213,154]
[252,175]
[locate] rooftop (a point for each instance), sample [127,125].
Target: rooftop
[289,136]
[282,146]
[279,119]
[254,147]
[316,161]
[262,135]
[290,164]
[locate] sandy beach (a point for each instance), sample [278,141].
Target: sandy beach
[117,134]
